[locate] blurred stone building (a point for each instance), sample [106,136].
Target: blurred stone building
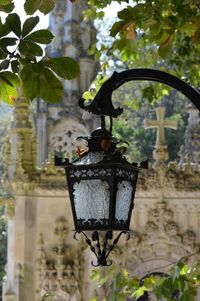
[42,255]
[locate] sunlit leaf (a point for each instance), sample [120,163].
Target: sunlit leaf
[95,275]
[139,292]
[165,48]
[8,92]
[6,6]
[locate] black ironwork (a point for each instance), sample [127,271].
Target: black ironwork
[102,251]
[102,103]
[113,169]
[104,161]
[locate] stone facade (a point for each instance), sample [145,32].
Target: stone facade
[43,258]
[73,37]
[42,255]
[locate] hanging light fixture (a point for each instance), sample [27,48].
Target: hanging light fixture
[101,181]
[101,184]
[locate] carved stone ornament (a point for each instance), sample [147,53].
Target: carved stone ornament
[59,268]
[63,136]
[170,177]
[161,238]
[20,150]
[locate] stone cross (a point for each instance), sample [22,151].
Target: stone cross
[160,124]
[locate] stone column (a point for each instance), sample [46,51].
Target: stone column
[9,288]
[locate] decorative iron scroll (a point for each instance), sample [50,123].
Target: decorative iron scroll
[102,102]
[102,251]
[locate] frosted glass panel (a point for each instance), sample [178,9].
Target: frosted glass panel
[123,200]
[91,199]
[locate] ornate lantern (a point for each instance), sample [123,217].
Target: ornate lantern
[101,181]
[101,185]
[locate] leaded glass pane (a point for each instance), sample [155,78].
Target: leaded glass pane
[91,199]
[123,200]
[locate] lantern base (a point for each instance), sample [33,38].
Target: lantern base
[102,250]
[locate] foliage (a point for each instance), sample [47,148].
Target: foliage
[180,284]
[130,125]
[22,59]
[158,34]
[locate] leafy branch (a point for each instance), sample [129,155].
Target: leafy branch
[180,283]
[22,60]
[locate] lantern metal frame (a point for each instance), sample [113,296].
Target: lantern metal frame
[111,170]
[102,105]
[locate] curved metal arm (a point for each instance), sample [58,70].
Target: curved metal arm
[102,103]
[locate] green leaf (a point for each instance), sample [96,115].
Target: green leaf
[125,14]
[14,23]
[8,93]
[5,2]
[87,95]
[180,264]
[149,93]
[65,67]
[15,66]
[30,48]
[45,6]
[11,77]
[139,292]
[3,54]
[6,6]
[5,42]
[95,275]
[4,64]
[117,27]
[42,36]
[166,47]
[51,88]
[29,25]
[39,81]
[31,6]
[4,30]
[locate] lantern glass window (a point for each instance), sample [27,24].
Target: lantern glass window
[101,194]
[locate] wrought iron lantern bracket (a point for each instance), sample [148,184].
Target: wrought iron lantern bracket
[101,176]
[102,102]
